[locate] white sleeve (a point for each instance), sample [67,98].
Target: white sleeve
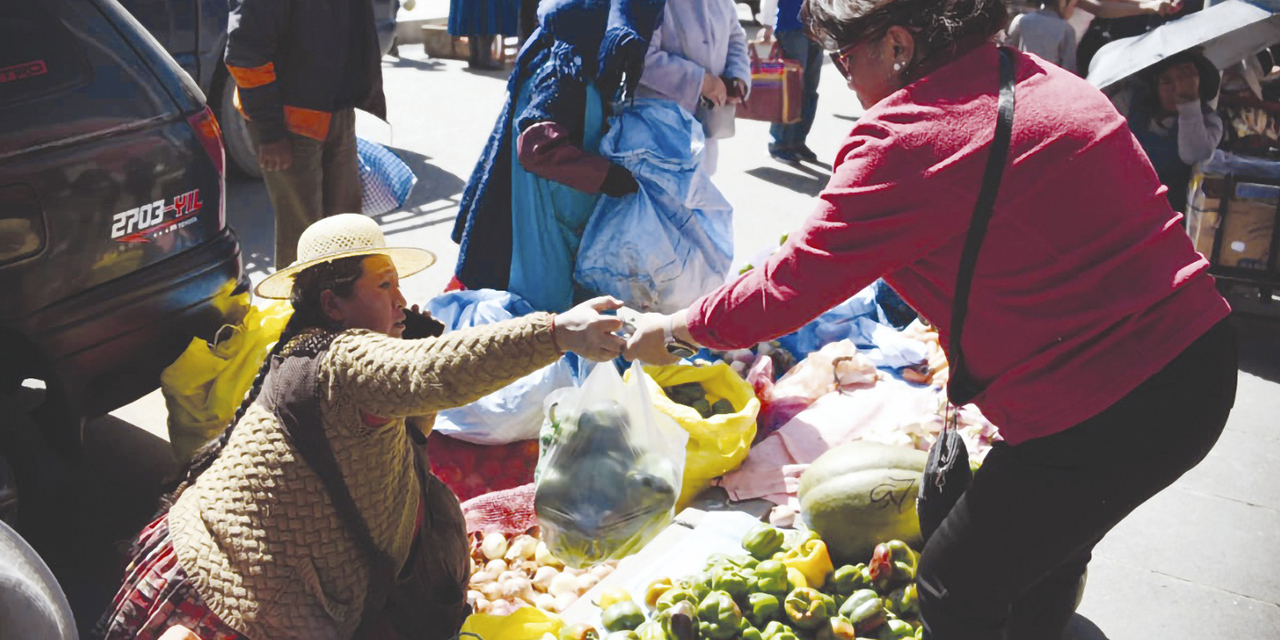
[1198,132]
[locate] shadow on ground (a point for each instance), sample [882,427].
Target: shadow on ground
[801,179]
[1259,345]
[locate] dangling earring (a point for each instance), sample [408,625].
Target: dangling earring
[897,66]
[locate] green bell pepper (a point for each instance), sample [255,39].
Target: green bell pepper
[699,584]
[751,633]
[807,608]
[919,633]
[731,581]
[892,565]
[762,541]
[719,616]
[651,630]
[836,628]
[623,635]
[680,622]
[771,577]
[672,596]
[903,602]
[578,632]
[777,631]
[850,578]
[865,610]
[622,616]
[895,629]
[655,591]
[762,608]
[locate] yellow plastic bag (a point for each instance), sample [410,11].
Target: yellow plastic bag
[525,623]
[717,445]
[206,384]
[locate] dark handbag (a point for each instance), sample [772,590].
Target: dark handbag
[426,599]
[777,86]
[946,472]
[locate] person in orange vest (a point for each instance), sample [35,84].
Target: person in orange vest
[299,77]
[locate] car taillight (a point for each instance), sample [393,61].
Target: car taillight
[206,128]
[22,233]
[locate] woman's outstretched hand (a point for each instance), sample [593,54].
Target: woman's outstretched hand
[649,342]
[590,334]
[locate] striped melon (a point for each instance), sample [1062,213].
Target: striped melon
[860,494]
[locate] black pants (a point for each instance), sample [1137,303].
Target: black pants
[1007,560]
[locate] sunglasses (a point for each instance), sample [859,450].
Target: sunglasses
[838,59]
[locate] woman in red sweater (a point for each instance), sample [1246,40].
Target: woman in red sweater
[1098,337]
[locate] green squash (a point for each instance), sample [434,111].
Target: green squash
[859,494]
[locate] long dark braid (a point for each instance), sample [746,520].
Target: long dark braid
[338,276]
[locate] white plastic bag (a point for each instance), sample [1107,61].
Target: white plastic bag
[513,412]
[610,470]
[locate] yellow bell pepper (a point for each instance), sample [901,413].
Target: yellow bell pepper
[795,579]
[812,560]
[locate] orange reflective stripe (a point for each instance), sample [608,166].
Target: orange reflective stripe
[307,122]
[250,78]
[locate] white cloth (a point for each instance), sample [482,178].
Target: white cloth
[768,16]
[696,37]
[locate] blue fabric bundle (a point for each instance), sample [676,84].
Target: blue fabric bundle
[600,41]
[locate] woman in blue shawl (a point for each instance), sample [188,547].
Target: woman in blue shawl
[527,202]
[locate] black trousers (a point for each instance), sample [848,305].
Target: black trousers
[1006,562]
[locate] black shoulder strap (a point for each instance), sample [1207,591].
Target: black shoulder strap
[962,388]
[291,393]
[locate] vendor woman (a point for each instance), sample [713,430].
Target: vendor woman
[1103,347]
[258,543]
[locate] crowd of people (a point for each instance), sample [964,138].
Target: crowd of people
[1096,339]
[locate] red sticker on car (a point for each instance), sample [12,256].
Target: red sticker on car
[143,223]
[24,71]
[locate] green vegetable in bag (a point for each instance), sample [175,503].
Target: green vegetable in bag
[895,629]
[836,628]
[672,596]
[850,578]
[680,622]
[762,608]
[903,602]
[778,631]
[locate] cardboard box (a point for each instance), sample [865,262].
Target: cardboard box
[1246,234]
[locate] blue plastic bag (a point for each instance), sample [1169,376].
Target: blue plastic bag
[515,411]
[385,180]
[862,320]
[664,246]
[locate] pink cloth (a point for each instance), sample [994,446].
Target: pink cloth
[1086,284]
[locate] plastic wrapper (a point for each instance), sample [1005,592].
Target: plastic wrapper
[610,471]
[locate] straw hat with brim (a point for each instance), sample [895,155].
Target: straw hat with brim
[342,236]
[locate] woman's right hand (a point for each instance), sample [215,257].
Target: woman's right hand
[713,89]
[589,333]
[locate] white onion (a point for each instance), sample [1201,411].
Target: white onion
[481,577]
[496,567]
[491,590]
[600,571]
[585,582]
[512,587]
[563,583]
[529,595]
[545,601]
[522,547]
[542,579]
[564,601]
[493,545]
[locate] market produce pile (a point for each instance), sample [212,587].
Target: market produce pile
[511,572]
[694,395]
[784,587]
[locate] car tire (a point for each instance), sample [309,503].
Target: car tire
[241,156]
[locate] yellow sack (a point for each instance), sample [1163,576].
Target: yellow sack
[206,384]
[525,623]
[717,445]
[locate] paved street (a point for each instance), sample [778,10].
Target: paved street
[1201,560]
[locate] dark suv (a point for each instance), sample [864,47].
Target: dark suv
[194,32]
[114,251]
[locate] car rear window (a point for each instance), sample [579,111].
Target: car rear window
[65,72]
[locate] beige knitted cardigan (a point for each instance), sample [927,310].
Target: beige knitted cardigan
[257,533]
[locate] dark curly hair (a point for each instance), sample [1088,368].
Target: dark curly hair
[937,25]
